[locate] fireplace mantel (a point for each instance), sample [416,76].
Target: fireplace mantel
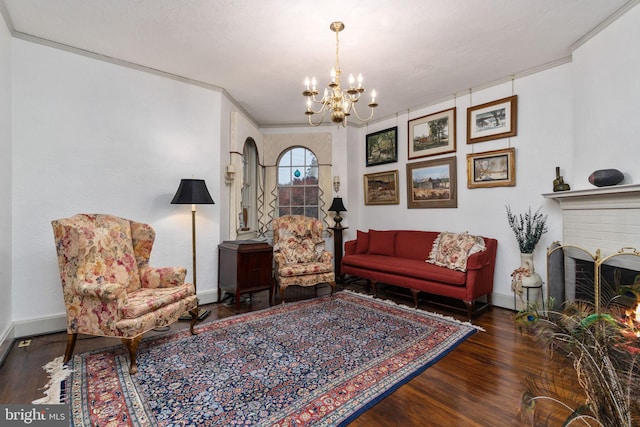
[617,196]
[606,218]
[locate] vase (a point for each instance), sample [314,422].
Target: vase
[526,283]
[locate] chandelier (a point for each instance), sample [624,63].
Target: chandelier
[337,102]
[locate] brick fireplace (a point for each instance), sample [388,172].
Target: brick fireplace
[597,222]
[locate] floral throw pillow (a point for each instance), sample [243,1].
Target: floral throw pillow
[451,250]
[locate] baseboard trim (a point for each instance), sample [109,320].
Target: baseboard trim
[6,342]
[503,300]
[208,297]
[40,326]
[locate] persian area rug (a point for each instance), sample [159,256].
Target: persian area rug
[319,362]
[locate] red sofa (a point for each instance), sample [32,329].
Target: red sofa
[399,258]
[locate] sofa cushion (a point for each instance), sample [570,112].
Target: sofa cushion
[406,268]
[451,250]
[381,242]
[362,242]
[413,244]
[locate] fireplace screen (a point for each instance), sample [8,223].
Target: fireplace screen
[576,274]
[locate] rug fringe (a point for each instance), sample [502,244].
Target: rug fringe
[406,307]
[58,372]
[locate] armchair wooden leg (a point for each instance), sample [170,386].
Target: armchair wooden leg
[194,319]
[132,346]
[282,294]
[333,287]
[71,344]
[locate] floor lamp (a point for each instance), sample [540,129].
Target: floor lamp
[193,192]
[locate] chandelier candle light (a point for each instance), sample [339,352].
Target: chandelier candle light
[338,102]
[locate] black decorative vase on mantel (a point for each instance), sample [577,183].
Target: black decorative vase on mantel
[606,177]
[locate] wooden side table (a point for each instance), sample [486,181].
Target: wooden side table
[244,266]
[338,251]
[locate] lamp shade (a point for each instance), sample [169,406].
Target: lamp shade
[337,205]
[192,192]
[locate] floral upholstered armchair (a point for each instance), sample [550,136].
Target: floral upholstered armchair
[299,254]
[109,288]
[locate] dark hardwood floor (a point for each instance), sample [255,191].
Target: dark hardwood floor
[477,384]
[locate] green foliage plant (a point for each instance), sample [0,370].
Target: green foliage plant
[528,228]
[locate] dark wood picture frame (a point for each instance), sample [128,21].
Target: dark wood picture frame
[432,134]
[432,184]
[493,120]
[382,147]
[381,188]
[495,168]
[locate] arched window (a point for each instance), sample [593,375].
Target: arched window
[298,191]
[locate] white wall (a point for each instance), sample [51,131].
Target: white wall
[606,87]
[5,184]
[91,136]
[543,142]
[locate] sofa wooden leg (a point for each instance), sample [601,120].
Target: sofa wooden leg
[132,346]
[469,305]
[71,344]
[194,319]
[415,293]
[374,288]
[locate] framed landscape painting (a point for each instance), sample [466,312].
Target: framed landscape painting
[432,134]
[432,184]
[493,120]
[492,169]
[381,188]
[382,147]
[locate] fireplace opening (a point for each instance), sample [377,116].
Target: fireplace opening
[616,284]
[572,276]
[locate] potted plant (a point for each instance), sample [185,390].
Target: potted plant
[528,229]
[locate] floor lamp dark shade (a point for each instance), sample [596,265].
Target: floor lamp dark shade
[193,192]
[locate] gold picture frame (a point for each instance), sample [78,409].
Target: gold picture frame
[432,184]
[432,134]
[495,168]
[492,120]
[381,188]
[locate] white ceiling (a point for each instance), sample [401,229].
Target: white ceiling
[413,52]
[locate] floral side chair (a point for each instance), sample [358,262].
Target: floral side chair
[299,253]
[108,286]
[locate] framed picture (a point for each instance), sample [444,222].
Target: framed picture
[432,184]
[382,147]
[492,169]
[381,188]
[493,120]
[432,134]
